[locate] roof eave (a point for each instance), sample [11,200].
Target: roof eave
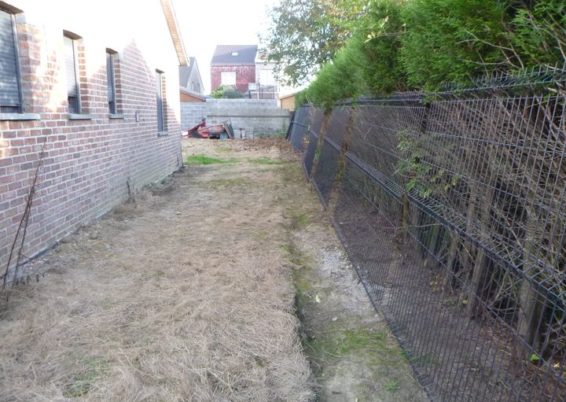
[175,32]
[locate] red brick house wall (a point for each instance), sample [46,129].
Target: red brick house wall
[245,73]
[88,164]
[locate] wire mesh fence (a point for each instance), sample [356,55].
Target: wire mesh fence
[451,207]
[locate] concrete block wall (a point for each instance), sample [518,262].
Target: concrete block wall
[192,113]
[250,117]
[88,162]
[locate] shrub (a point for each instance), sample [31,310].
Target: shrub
[539,34]
[368,64]
[421,44]
[451,40]
[226,92]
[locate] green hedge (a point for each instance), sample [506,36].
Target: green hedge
[420,44]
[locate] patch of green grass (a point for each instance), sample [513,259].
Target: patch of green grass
[296,256]
[90,370]
[300,274]
[265,161]
[338,342]
[392,386]
[303,288]
[205,160]
[299,221]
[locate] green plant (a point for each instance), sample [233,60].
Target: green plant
[305,34]
[368,64]
[534,358]
[392,385]
[414,173]
[451,40]
[91,369]
[538,34]
[226,92]
[421,44]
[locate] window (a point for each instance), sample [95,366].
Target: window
[266,77]
[160,82]
[111,81]
[228,78]
[73,95]
[10,91]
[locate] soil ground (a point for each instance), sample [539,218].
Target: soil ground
[191,292]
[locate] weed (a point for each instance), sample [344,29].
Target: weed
[205,160]
[339,342]
[299,221]
[392,385]
[303,288]
[296,256]
[92,368]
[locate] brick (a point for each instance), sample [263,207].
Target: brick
[84,167]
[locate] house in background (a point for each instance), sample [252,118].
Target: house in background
[265,86]
[233,66]
[87,115]
[190,78]
[245,69]
[191,86]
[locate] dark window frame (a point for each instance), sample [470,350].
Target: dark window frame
[112,93]
[161,101]
[19,108]
[74,103]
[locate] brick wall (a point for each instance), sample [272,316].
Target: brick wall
[244,75]
[87,163]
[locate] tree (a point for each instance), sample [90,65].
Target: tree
[368,64]
[305,34]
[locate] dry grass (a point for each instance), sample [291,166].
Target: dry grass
[174,298]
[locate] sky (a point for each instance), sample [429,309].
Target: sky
[207,23]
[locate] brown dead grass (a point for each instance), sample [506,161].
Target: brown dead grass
[182,296]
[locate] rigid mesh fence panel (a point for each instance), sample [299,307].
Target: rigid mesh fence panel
[310,152]
[329,159]
[316,117]
[299,129]
[451,209]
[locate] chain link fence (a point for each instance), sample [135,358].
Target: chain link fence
[451,207]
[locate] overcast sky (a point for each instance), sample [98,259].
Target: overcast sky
[207,23]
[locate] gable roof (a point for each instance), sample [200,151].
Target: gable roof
[234,54]
[185,73]
[175,32]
